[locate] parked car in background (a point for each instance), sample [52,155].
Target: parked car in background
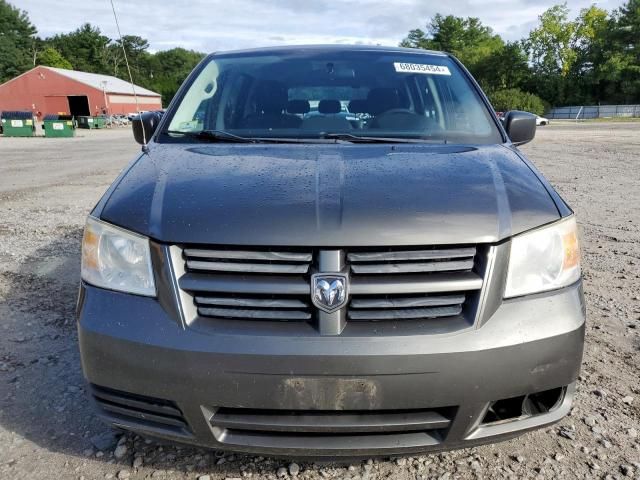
[541,121]
[264,280]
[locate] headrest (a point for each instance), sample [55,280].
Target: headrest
[298,106]
[382,99]
[271,97]
[358,106]
[329,106]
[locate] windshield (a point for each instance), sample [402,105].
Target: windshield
[307,94]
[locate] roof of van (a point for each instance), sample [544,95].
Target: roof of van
[332,48]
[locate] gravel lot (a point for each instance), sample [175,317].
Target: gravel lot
[47,186]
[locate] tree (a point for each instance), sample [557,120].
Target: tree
[466,38]
[86,47]
[169,68]
[592,45]
[552,52]
[551,45]
[494,64]
[506,67]
[136,48]
[52,58]
[16,36]
[515,99]
[623,62]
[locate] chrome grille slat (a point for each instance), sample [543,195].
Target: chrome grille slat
[251,302]
[247,267]
[247,261]
[411,255]
[249,255]
[405,313]
[440,282]
[410,302]
[255,314]
[412,267]
[412,261]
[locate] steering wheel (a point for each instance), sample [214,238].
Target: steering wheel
[392,115]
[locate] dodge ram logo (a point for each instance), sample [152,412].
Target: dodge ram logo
[329,292]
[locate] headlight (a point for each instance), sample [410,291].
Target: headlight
[116,259]
[544,259]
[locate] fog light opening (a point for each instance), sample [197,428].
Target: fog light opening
[543,402]
[524,406]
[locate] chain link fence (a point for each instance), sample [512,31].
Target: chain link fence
[583,112]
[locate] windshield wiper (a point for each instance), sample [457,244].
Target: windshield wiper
[350,137]
[223,136]
[212,135]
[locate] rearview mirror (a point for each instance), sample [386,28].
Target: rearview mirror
[520,126]
[144,125]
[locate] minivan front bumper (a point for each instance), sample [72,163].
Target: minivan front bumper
[328,396]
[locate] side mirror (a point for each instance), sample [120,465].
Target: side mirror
[520,126]
[144,125]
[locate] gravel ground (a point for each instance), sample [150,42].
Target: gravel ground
[47,186]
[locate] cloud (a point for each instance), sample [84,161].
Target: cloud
[224,24]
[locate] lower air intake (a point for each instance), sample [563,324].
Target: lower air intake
[345,429]
[135,412]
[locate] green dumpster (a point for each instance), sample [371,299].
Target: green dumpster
[100,121]
[85,122]
[92,122]
[59,126]
[17,124]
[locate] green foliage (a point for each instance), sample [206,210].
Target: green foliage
[505,67]
[52,58]
[169,68]
[86,47]
[466,38]
[515,99]
[16,40]
[137,55]
[624,61]
[551,45]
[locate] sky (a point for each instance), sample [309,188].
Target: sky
[213,25]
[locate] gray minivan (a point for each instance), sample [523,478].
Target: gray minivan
[331,251]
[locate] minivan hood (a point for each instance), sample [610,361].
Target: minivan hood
[329,195]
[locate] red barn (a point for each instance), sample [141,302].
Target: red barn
[45,90]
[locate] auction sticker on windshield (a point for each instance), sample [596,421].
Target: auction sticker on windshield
[421,68]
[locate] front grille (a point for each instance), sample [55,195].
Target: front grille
[338,429]
[139,411]
[407,285]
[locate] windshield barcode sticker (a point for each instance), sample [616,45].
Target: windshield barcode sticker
[421,68]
